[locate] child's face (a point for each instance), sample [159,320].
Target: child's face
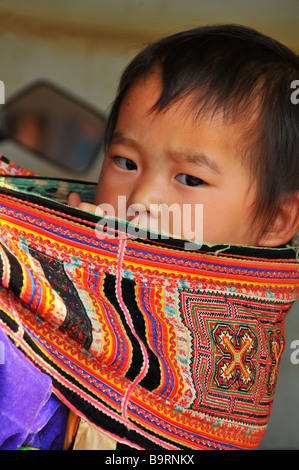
[170,157]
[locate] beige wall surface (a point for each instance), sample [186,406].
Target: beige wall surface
[83,45]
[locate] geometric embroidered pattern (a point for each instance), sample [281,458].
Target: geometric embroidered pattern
[235,366]
[157,346]
[233,360]
[277,343]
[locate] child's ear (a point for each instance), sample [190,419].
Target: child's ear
[285,226]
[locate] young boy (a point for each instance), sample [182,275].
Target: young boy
[205,116]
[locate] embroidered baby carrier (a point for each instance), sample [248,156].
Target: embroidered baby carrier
[158,346]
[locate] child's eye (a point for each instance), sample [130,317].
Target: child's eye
[125,163]
[189,180]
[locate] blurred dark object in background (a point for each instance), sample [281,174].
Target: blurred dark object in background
[54,125]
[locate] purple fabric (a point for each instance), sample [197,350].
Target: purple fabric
[28,411]
[49,428]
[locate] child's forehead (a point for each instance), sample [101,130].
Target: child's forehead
[197,102]
[186,135]
[240,121]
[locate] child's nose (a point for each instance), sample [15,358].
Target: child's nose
[148,192]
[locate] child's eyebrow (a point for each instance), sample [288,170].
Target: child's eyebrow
[197,158]
[184,155]
[119,138]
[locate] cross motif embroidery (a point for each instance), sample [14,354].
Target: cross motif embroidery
[235,366]
[276,342]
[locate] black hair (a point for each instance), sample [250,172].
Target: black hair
[245,74]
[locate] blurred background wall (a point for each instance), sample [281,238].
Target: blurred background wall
[83,45]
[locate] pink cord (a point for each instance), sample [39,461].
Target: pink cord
[144,368]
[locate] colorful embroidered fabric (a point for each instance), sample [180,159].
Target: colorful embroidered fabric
[158,346]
